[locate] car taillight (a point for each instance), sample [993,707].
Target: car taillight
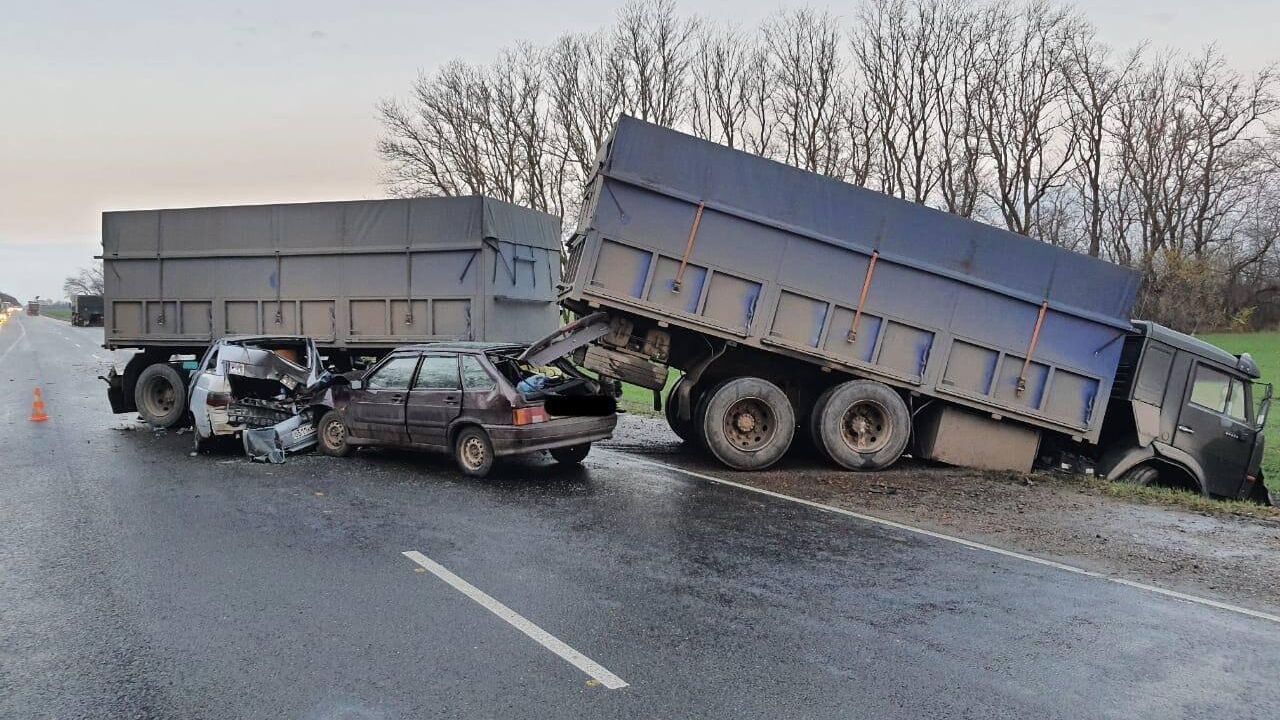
[218,399]
[529,415]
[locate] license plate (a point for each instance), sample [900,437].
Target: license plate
[303,432]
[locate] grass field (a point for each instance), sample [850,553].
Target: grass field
[57,313]
[1265,349]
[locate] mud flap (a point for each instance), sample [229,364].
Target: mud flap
[115,392]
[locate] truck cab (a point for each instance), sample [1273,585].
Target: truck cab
[1185,413]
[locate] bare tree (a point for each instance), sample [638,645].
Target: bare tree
[86,281]
[720,85]
[1022,112]
[657,46]
[806,70]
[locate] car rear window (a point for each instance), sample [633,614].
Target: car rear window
[438,372]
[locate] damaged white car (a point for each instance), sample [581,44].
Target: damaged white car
[269,390]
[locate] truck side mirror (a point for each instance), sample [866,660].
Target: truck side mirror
[357,384]
[1264,409]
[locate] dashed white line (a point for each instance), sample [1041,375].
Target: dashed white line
[537,634]
[1185,597]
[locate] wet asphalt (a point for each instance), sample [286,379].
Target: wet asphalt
[137,581]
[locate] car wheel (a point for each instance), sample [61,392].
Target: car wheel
[201,445]
[160,396]
[332,435]
[571,455]
[473,451]
[862,425]
[747,423]
[682,428]
[1143,475]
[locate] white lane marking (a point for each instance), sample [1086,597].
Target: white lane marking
[23,329]
[967,543]
[540,636]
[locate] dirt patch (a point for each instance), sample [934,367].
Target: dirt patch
[1067,518]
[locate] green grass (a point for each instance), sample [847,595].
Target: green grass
[57,313]
[636,399]
[1265,349]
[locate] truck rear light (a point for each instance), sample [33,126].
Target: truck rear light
[529,415]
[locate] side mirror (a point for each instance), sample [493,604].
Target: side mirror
[357,384]
[1264,409]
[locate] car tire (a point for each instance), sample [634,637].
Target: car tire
[1143,475]
[571,455]
[862,425]
[331,435]
[473,451]
[160,396]
[201,445]
[682,428]
[747,423]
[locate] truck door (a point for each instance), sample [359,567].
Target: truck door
[435,400]
[377,411]
[1213,426]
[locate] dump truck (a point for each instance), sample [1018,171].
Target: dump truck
[86,310]
[786,303]
[33,308]
[358,278]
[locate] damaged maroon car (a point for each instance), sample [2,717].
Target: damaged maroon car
[480,401]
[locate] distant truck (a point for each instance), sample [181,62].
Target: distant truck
[86,310]
[359,278]
[33,308]
[789,300]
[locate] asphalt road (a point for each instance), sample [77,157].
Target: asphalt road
[137,581]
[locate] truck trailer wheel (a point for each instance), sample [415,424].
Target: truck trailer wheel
[861,425]
[682,428]
[160,396]
[747,423]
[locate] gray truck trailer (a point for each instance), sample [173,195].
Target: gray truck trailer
[360,278]
[790,300]
[86,310]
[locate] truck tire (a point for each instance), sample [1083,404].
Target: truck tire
[815,423]
[682,428]
[861,425]
[1143,475]
[473,451]
[331,435]
[161,396]
[747,423]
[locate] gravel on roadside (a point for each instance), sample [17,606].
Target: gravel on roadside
[1050,515]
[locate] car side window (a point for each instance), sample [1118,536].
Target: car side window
[394,375]
[474,375]
[1237,403]
[438,372]
[1211,389]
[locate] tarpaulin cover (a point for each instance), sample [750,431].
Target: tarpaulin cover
[417,222]
[809,204]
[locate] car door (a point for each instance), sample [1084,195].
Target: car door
[1213,426]
[435,400]
[377,411]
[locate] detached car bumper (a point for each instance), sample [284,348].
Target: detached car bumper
[554,433]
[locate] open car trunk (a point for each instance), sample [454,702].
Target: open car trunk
[557,384]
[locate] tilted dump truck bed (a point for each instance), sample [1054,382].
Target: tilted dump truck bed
[364,275]
[803,265]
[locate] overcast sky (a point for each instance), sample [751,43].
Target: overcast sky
[145,104]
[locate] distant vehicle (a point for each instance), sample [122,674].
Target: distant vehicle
[33,308]
[791,300]
[479,401]
[359,278]
[86,310]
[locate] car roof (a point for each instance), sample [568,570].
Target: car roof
[460,346]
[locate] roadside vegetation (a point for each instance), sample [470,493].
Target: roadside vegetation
[63,314]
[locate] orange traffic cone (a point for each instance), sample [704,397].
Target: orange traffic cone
[37,408]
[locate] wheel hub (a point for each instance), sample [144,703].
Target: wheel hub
[473,452]
[749,424]
[865,426]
